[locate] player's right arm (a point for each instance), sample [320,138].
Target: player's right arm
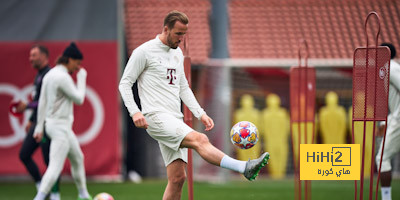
[133,69]
[139,120]
[76,93]
[395,74]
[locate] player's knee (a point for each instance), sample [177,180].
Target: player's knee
[178,180]
[203,139]
[195,140]
[24,157]
[386,166]
[200,140]
[80,157]
[77,159]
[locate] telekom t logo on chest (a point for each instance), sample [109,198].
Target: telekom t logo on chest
[171,75]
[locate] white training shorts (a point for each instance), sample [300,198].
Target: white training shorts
[392,144]
[169,132]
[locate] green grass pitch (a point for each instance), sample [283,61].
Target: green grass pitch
[153,189]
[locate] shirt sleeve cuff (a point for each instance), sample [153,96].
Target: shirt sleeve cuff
[198,113]
[133,113]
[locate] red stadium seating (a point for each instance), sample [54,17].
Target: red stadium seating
[144,20]
[333,29]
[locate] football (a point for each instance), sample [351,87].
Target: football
[103,196]
[244,135]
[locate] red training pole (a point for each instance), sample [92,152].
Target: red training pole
[188,116]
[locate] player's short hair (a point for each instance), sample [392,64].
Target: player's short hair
[42,49]
[174,16]
[392,49]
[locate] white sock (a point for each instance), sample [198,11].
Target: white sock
[386,193]
[83,193]
[37,185]
[55,196]
[233,164]
[40,196]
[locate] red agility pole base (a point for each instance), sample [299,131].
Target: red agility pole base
[302,109]
[371,66]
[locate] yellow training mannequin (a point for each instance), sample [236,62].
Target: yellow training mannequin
[295,130]
[332,119]
[358,137]
[295,133]
[247,112]
[275,129]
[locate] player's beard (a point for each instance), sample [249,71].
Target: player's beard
[171,43]
[35,64]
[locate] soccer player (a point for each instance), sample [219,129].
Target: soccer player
[55,115]
[39,59]
[392,142]
[157,66]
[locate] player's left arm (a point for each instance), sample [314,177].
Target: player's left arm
[41,113]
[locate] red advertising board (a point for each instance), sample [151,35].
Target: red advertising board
[96,121]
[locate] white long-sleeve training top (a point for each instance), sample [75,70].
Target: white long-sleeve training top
[162,84]
[58,93]
[394,90]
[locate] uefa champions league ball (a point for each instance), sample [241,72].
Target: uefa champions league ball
[103,196]
[244,135]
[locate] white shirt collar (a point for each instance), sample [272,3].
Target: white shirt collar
[161,44]
[62,68]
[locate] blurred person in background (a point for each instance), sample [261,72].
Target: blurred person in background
[392,142]
[39,59]
[55,115]
[157,66]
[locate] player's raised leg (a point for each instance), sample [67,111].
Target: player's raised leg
[200,143]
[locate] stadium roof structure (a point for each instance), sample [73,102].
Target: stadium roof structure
[47,20]
[144,20]
[268,32]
